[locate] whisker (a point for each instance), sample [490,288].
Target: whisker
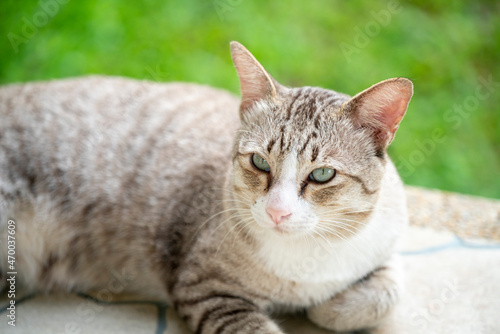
[356,249]
[346,227]
[329,244]
[212,217]
[231,230]
[245,226]
[343,221]
[232,200]
[233,216]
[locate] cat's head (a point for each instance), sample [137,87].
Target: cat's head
[310,160]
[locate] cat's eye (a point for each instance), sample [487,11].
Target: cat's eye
[260,163]
[322,175]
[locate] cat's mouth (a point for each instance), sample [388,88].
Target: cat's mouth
[287,227]
[291,225]
[280,229]
[287,230]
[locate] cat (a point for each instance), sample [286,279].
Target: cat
[228,210]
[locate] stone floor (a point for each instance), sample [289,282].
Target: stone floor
[451,253]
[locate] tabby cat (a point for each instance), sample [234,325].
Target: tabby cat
[290,204]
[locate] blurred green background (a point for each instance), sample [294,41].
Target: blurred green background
[450,138]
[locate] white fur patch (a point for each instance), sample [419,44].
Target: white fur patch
[325,265]
[284,195]
[37,235]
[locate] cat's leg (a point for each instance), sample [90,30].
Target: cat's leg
[365,303]
[225,314]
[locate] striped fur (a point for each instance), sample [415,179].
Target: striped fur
[152,185]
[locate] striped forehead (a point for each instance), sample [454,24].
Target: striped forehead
[303,121]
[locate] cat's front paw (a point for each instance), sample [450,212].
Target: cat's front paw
[363,305]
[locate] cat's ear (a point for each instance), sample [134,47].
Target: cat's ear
[381,108]
[256,84]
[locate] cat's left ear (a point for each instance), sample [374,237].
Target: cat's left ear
[381,108]
[256,84]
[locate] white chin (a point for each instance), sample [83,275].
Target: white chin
[285,231]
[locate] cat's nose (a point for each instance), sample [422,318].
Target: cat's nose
[277,215]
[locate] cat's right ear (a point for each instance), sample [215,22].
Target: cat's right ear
[256,84]
[380,108]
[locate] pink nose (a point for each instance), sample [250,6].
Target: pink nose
[277,215]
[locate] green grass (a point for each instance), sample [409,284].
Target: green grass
[446,47]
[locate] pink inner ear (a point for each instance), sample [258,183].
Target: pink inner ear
[383,106]
[255,85]
[253,88]
[392,112]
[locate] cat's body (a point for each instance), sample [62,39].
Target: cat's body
[99,163]
[114,180]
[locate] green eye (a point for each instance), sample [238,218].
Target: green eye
[322,175]
[260,163]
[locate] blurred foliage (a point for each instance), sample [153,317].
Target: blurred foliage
[450,138]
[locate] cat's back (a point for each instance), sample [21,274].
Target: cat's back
[112,127]
[111,105]
[122,142]
[88,160]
